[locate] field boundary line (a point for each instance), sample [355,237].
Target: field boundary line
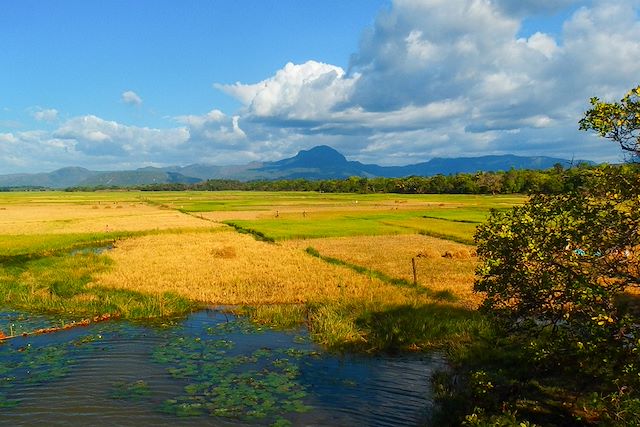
[442,295]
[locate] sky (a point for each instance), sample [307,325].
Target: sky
[119,84]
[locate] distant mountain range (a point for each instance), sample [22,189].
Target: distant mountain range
[321,162]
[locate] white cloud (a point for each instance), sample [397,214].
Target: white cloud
[214,129]
[45,115]
[95,136]
[213,116]
[131,98]
[543,43]
[296,92]
[8,138]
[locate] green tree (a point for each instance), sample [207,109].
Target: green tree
[561,273]
[617,121]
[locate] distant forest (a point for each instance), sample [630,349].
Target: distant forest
[551,181]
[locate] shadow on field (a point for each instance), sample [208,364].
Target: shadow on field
[417,327]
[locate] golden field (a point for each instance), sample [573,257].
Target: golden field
[441,265]
[226,267]
[92,218]
[231,268]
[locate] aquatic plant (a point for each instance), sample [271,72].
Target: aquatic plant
[124,390]
[261,385]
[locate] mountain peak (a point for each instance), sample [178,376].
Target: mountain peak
[321,156]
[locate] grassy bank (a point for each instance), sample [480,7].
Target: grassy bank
[62,284]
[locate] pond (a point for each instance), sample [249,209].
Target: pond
[211,369]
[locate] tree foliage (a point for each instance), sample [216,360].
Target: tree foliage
[554,180]
[561,276]
[564,263]
[618,121]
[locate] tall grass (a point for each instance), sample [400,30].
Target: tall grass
[63,284]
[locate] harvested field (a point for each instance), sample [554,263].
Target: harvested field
[93,218]
[441,265]
[230,268]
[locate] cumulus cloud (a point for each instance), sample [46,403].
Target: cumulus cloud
[458,72]
[45,115]
[214,130]
[94,136]
[131,98]
[92,141]
[542,43]
[296,92]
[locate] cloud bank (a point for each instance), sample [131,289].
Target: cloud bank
[429,78]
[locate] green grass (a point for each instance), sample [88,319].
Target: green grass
[23,244]
[374,327]
[284,229]
[61,284]
[359,224]
[47,244]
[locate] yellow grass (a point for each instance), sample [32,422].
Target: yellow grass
[52,219]
[441,265]
[229,268]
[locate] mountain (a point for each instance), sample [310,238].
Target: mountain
[136,177]
[321,162]
[74,177]
[61,178]
[447,166]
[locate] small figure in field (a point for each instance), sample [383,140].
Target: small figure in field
[277,214]
[304,214]
[106,228]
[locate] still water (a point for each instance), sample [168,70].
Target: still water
[209,369]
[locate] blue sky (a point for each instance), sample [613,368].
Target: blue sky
[125,84]
[79,56]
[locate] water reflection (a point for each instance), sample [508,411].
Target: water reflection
[208,369]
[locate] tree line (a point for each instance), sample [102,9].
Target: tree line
[557,180]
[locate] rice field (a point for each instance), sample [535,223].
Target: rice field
[231,268]
[441,265]
[97,217]
[341,263]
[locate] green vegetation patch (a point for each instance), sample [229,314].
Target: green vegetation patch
[62,284]
[136,390]
[42,244]
[365,223]
[372,326]
[284,229]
